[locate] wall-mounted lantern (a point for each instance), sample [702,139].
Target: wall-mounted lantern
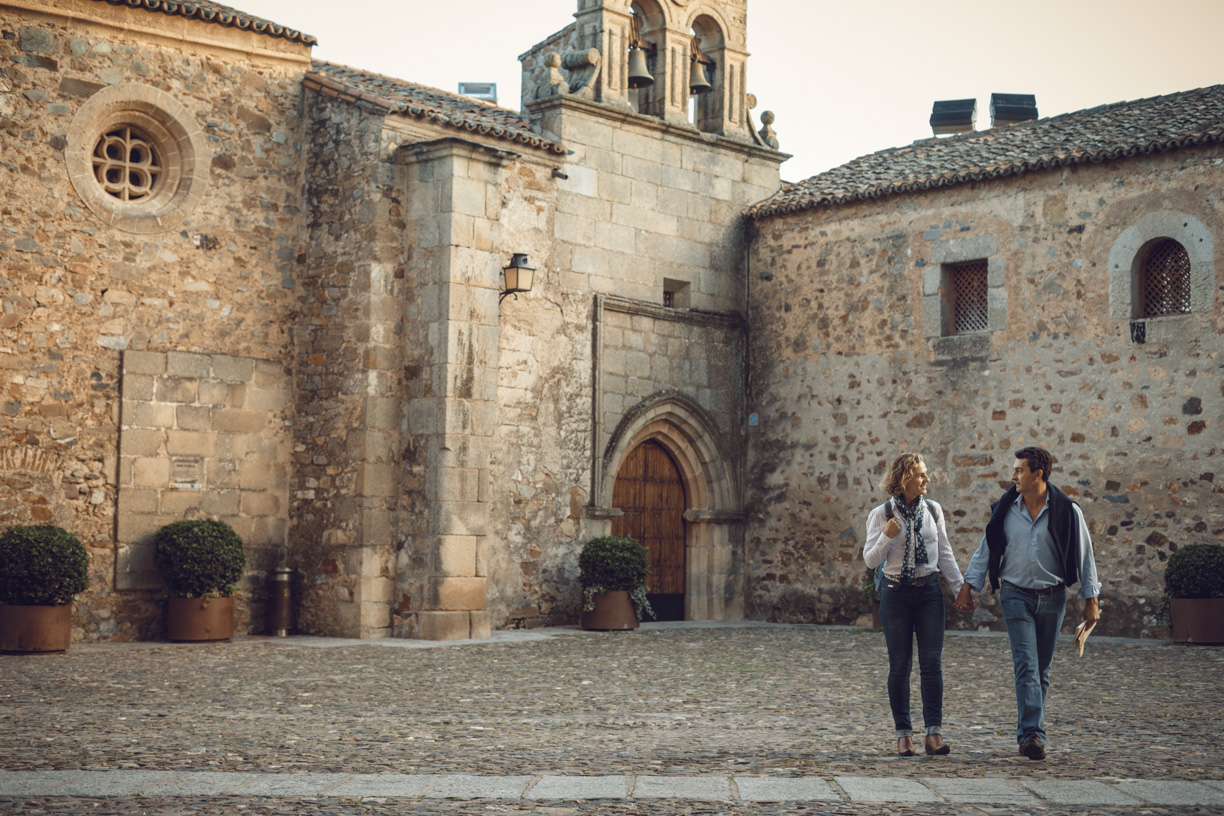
[517,277]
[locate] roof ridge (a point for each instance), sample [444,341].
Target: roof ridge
[398,81]
[402,97]
[1103,133]
[209,11]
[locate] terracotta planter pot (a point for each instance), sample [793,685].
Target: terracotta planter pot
[613,610]
[194,619]
[1197,620]
[35,629]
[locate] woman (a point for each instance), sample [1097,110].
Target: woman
[908,536]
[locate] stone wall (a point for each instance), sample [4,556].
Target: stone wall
[850,367]
[642,208]
[346,433]
[80,286]
[203,436]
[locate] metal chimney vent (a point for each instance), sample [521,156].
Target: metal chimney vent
[953,116]
[484,91]
[1007,109]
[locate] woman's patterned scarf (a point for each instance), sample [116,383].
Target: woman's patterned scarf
[910,517]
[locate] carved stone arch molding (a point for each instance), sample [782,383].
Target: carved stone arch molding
[726,32]
[680,425]
[713,530]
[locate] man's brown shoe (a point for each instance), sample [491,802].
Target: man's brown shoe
[1033,748]
[905,746]
[935,746]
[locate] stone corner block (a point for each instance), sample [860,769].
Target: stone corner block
[482,624]
[444,625]
[144,362]
[454,594]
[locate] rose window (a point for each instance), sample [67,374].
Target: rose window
[126,164]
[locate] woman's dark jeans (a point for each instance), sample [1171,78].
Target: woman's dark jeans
[906,611]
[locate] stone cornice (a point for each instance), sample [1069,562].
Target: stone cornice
[681,131]
[720,320]
[171,31]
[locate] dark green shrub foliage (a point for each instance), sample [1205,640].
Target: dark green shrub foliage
[1196,571]
[614,564]
[41,565]
[199,558]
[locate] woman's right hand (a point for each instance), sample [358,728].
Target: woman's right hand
[892,528]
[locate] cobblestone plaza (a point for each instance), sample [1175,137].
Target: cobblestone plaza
[673,718]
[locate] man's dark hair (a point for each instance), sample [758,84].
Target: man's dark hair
[1038,459]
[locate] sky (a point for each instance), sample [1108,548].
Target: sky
[843,79]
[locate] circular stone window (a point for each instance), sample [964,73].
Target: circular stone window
[137,158]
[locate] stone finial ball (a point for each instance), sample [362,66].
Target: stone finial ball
[767,117]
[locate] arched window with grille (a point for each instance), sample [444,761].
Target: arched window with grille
[1164,279]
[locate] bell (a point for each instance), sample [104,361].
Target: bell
[639,76]
[698,84]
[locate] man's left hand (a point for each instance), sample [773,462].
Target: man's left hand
[1092,611]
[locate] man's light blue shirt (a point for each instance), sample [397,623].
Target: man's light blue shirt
[1030,560]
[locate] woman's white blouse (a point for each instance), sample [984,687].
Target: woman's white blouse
[880,549]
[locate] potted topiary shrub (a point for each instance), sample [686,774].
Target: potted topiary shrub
[612,571]
[201,561]
[41,568]
[1194,593]
[873,597]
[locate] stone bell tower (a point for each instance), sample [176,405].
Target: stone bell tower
[694,53]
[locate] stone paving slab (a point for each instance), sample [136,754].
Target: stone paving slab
[260,786]
[874,789]
[196,783]
[783,789]
[34,783]
[682,787]
[102,783]
[980,791]
[472,786]
[294,784]
[1171,792]
[580,787]
[380,785]
[1068,792]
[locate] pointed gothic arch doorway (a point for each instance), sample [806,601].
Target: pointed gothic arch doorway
[650,491]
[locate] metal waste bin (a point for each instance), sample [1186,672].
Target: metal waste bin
[280,601]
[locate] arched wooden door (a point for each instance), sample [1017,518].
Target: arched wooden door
[651,493]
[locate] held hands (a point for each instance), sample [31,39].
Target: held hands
[892,528]
[964,601]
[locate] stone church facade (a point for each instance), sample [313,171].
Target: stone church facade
[242,284]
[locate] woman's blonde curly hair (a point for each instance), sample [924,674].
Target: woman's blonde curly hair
[901,469]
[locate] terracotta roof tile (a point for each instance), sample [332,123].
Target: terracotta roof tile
[410,99]
[1100,134]
[211,12]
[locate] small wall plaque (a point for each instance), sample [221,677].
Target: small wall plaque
[186,472]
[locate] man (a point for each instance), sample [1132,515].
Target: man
[1036,545]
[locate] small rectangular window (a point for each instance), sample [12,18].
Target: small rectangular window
[967,300]
[675,294]
[1166,279]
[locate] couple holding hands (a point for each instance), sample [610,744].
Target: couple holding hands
[1035,547]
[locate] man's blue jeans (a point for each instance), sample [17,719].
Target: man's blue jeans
[906,611]
[1033,622]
